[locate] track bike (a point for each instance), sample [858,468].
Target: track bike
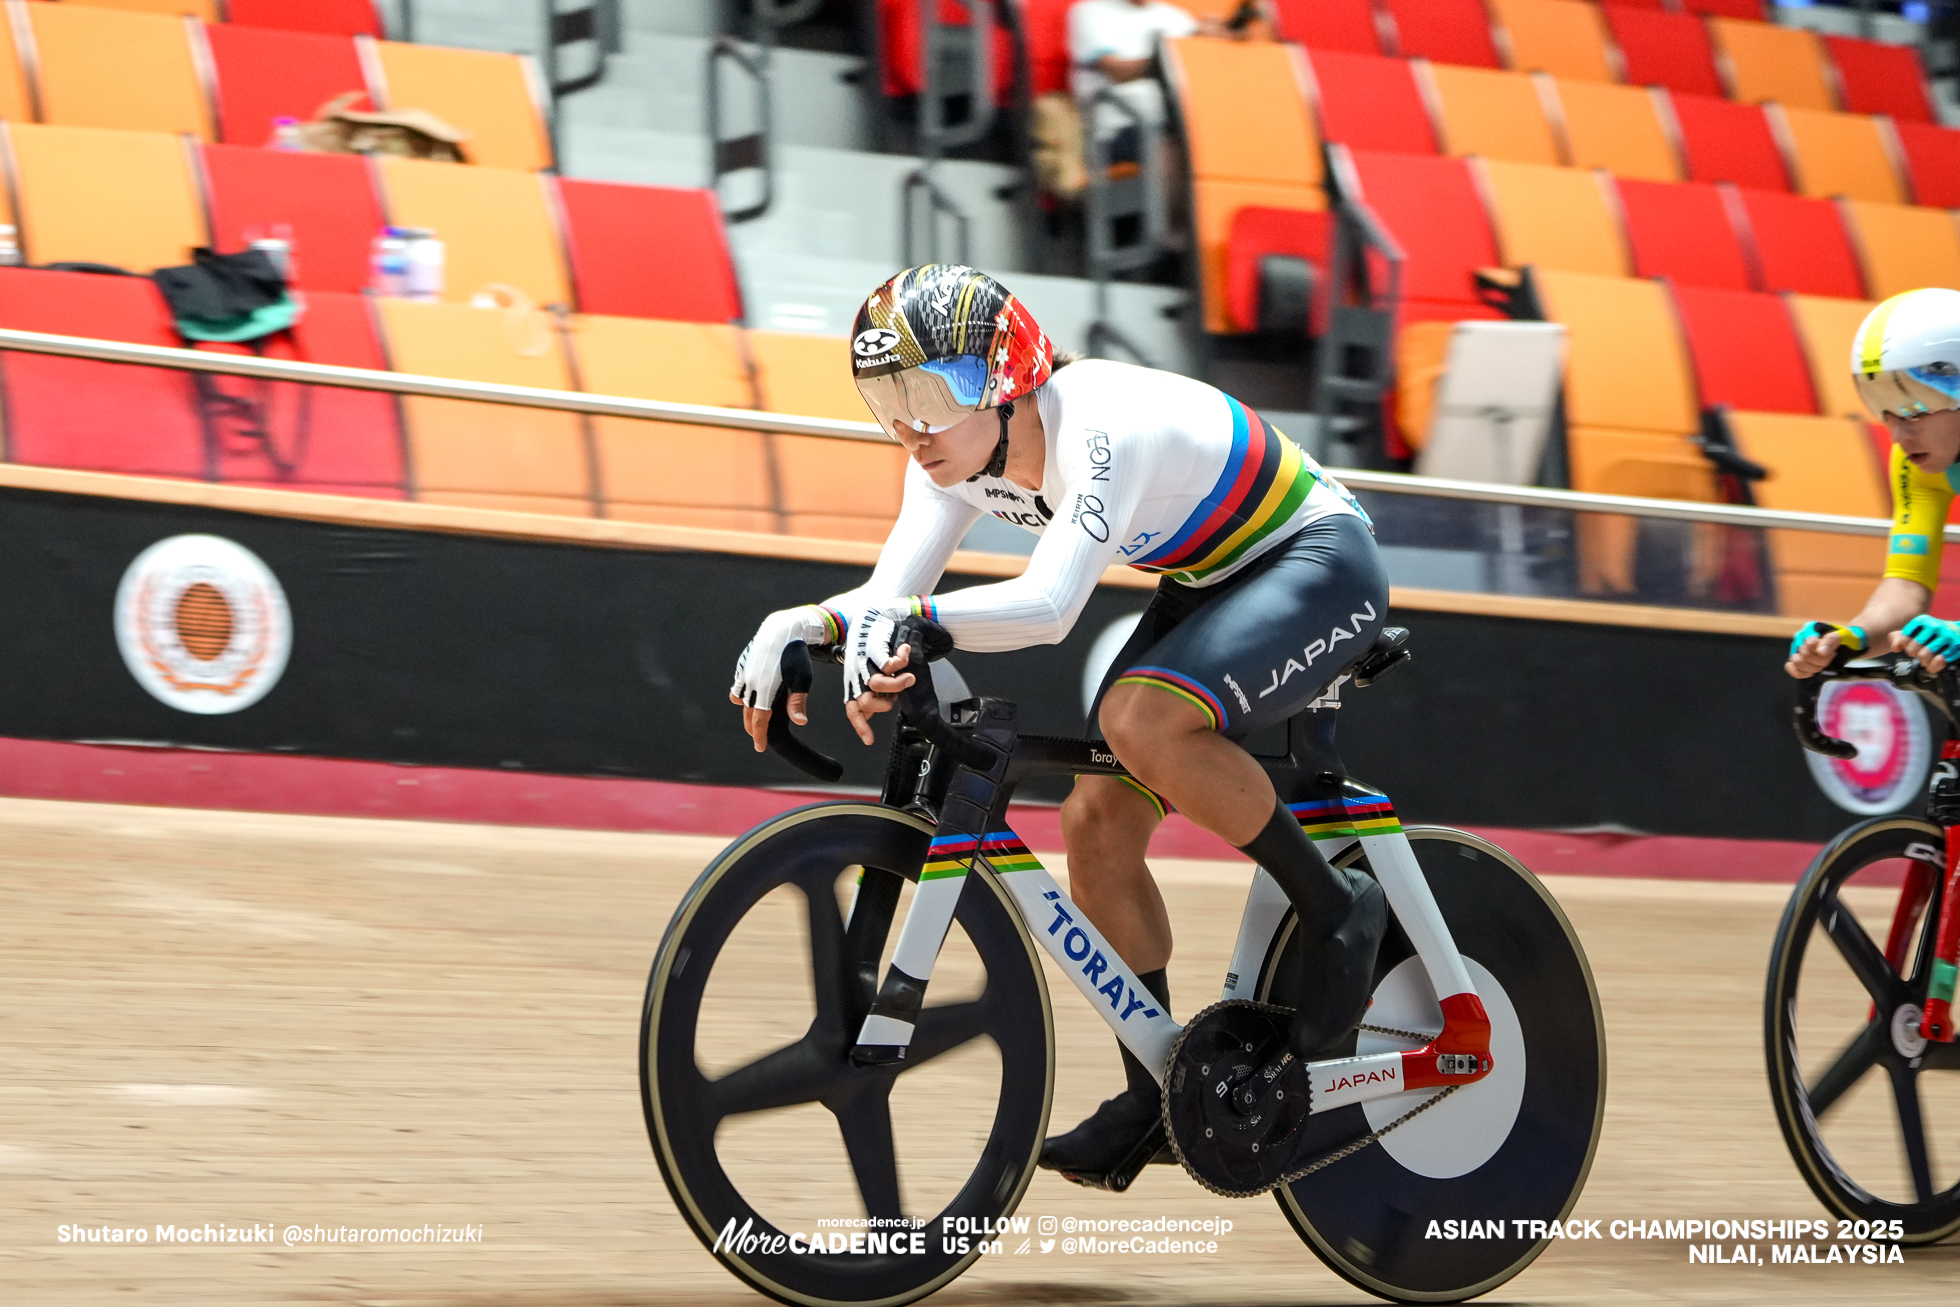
[795,1080]
[1841,1005]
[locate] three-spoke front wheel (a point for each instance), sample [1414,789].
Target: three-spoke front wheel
[768,1136]
[1864,1102]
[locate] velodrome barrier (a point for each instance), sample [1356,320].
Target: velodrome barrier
[474,638]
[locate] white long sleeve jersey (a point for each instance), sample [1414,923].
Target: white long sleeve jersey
[1144,467]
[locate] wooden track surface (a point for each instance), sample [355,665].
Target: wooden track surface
[226,1018]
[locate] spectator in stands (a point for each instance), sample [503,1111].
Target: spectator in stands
[1113,43]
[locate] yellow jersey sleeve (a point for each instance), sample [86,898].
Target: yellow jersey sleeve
[1919,504]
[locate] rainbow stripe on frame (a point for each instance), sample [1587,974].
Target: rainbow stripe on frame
[950,855]
[1263,483]
[1335,819]
[1005,853]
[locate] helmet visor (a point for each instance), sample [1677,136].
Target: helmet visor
[1910,392]
[931,397]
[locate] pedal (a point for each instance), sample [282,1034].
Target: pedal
[1235,1099]
[1153,1147]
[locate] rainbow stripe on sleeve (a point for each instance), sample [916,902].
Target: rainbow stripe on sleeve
[1265,480]
[1335,819]
[923,606]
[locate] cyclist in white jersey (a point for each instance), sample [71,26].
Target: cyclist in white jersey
[1272,585]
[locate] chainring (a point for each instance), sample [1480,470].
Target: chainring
[1235,1098]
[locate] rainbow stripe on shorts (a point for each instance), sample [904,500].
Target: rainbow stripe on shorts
[1177,683]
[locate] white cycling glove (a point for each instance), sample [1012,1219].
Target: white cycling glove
[759,671]
[870,645]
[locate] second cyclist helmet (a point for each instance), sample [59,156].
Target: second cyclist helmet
[1906,355]
[936,344]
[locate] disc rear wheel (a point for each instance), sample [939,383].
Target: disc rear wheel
[1515,1146]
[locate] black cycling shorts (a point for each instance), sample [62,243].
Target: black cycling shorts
[1260,646]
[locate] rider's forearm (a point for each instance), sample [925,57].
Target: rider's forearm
[1895,602]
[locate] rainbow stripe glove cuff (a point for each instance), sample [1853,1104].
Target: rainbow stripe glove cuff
[1935,636]
[1849,637]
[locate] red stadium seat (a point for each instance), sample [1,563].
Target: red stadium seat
[1664,49]
[1330,25]
[1745,351]
[1932,163]
[1371,103]
[331,441]
[610,230]
[1749,9]
[1801,245]
[1432,208]
[1447,31]
[1258,232]
[1725,142]
[75,413]
[898,43]
[1682,230]
[262,74]
[325,202]
[1878,78]
[1045,23]
[332,17]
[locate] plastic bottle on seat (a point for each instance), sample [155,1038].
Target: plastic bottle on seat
[10,255]
[388,263]
[285,135]
[426,257]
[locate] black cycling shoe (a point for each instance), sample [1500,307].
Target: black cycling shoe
[1118,1140]
[1340,972]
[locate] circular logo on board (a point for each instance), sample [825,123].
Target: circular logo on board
[202,624]
[1894,747]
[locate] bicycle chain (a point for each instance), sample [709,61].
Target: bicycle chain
[1348,1149]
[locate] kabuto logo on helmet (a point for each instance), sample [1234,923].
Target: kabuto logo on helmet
[878,340]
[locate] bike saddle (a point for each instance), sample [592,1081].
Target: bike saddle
[1389,648]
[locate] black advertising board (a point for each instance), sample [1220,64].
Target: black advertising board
[450,649]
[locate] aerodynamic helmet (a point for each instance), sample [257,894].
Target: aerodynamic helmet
[938,343]
[1906,355]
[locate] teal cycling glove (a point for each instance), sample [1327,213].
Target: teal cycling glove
[1935,636]
[1849,637]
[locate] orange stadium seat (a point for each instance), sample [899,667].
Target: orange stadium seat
[1683,231]
[1250,141]
[332,17]
[1496,114]
[205,10]
[1931,158]
[1562,37]
[261,74]
[16,106]
[1370,103]
[832,489]
[92,195]
[488,455]
[496,225]
[609,230]
[1799,244]
[1448,31]
[1835,154]
[64,412]
[493,97]
[1724,142]
[1618,128]
[1816,465]
[1630,408]
[1330,25]
[1762,61]
[1903,248]
[325,204]
[352,442]
[1827,327]
[670,472]
[1432,208]
[105,68]
[1664,49]
[1553,218]
[1745,350]
[1878,78]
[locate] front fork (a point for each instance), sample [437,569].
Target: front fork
[1943,807]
